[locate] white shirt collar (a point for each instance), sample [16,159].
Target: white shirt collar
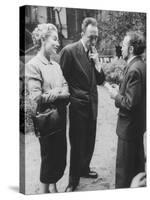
[130,59]
[84,46]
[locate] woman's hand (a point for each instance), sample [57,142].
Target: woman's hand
[54,94]
[64,95]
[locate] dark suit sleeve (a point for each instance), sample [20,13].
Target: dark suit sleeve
[133,92]
[100,77]
[65,63]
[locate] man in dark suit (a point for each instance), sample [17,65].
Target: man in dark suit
[131,101]
[82,70]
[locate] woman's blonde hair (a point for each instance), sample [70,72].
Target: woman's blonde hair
[42,31]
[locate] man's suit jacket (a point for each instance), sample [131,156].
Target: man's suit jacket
[131,101]
[82,78]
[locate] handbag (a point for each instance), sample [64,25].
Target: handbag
[47,122]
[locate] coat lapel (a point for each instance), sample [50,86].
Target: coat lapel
[130,63]
[83,60]
[126,71]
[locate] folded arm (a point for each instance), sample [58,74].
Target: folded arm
[34,83]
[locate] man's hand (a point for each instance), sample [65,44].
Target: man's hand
[112,89]
[94,56]
[115,86]
[113,92]
[139,180]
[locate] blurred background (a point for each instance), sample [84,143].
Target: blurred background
[112,27]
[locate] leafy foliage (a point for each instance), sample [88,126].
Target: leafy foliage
[113,26]
[114,71]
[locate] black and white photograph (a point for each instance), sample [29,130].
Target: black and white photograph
[82,99]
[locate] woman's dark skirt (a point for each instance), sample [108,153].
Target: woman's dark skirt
[53,156]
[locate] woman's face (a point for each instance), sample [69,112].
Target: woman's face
[51,44]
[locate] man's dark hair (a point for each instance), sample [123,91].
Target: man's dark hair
[87,21]
[137,40]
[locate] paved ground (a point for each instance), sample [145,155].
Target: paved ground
[103,160]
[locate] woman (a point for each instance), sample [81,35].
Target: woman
[48,88]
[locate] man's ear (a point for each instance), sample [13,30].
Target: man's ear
[131,49]
[42,39]
[82,34]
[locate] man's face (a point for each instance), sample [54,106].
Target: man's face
[90,36]
[125,48]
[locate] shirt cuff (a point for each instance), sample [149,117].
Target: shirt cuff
[98,67]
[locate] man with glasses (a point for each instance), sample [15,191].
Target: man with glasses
[131,101]
[82,70]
